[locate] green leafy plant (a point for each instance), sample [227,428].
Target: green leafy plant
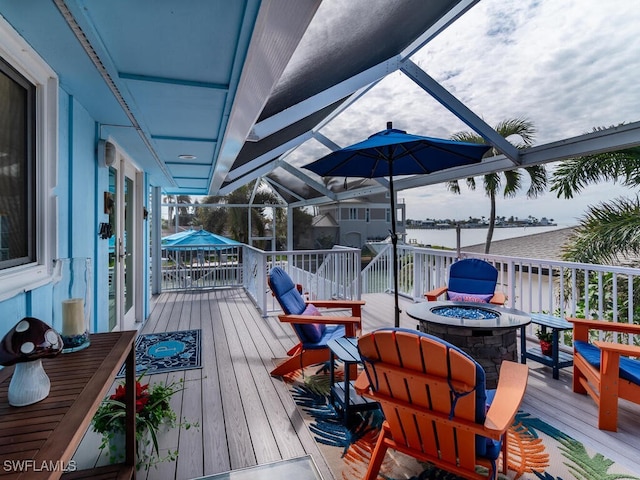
[153,412]
[544,336]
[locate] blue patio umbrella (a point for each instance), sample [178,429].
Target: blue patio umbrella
[395,152]
[197,238]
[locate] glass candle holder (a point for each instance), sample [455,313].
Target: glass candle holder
[72,301]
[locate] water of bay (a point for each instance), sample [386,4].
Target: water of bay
[470,236]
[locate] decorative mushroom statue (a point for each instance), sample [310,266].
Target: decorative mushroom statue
[25,345]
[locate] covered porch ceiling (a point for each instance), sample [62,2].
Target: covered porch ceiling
[209,95]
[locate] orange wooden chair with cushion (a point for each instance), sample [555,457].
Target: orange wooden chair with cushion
[435,404]
[602,369]
[470,280]
[313,329]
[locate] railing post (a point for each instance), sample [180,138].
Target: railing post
[418,267]
[511,281]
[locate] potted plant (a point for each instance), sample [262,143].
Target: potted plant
[153,414]
[546,344]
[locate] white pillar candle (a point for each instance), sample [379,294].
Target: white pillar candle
[73,317]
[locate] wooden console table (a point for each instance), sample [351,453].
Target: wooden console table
[38,441]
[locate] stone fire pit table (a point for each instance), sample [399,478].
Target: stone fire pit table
[484,331]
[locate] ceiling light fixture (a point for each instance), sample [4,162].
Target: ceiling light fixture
[187,157]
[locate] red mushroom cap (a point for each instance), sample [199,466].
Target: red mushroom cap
[28,340]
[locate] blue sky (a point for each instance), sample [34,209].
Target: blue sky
[568,66]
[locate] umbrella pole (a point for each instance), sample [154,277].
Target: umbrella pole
[394,242]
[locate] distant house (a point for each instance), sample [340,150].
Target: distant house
[356,221]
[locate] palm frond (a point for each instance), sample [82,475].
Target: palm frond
[606,230]
[573,175]
[453,186]
[538,179]
[520,127]
[513,183]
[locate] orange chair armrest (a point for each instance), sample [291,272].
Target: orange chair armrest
[354,305]
[512,384]
[619,348]
[362,384]
[336,303]
[498,298]
[582,326]
[324,319]
[433,295]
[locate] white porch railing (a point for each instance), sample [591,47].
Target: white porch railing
[532,285]
[323,274]
[199,267]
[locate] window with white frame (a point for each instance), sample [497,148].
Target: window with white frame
[367,215]
[28,152]
[353,213]
[17,169]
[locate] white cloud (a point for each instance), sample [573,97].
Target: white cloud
[568,66]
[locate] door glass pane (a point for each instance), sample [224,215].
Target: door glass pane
[128,242]
[113,274]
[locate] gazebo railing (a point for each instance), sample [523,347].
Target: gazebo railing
[201,267]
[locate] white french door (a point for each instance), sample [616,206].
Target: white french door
[125,256]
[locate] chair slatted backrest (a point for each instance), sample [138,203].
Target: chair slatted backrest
[415,378]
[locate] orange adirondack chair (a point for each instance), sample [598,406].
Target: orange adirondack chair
[313,329]
[602,369]
[470,280]
[434,400]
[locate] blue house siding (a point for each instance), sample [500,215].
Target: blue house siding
[79,191]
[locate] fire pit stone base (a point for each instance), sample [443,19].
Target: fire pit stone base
[488,347]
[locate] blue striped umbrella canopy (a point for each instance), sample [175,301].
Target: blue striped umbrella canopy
[197,238]
[396,152]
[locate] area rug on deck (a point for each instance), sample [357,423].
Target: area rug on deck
[536,449]
[167,352]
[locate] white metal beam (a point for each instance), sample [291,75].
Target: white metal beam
[268,158]
[615,138]
[455,106]
[282,187]
[320,187]
[263,68]
[323,99]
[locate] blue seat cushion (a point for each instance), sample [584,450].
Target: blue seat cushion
[629,369]
[312,332]
[330,332]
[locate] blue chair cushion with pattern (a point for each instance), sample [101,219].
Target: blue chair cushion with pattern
[629,369]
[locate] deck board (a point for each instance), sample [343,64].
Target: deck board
[247,417]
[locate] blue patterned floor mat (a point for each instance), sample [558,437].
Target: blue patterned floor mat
[167,352]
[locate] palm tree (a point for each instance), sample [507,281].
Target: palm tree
[492,182]
[610,228]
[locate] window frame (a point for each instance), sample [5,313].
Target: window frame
[20,56]
[29,171]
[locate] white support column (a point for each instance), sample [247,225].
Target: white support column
[156,241]
[289,228]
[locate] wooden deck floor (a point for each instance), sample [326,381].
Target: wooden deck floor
[247,417]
